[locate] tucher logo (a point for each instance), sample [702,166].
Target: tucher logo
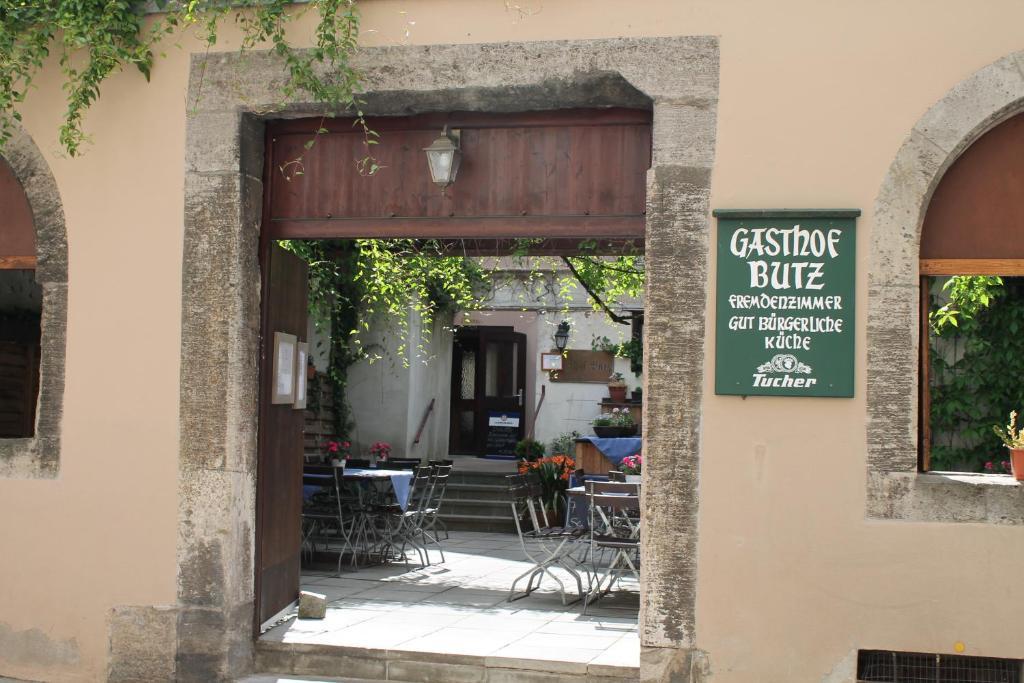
[786,365]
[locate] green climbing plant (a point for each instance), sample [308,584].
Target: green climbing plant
[976,364]
[94,39]
[359,289]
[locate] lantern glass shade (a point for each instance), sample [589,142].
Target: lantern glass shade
[562,336]
[443,158]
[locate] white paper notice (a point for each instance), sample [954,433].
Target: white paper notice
[285,368]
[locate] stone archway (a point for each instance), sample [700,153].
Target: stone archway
[676,77]
[39,456]
[895,490]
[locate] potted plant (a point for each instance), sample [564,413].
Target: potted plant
[380,449]
[529,450]
[615,424]
[554,476]
[631,466]
[1013,439]
[617,388]
[336,452]
[564,444]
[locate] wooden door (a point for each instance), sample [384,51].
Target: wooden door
[488,377]
[279,463]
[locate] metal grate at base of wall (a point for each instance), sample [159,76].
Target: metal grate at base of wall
[883,666]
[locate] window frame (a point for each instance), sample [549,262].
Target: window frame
[930,269]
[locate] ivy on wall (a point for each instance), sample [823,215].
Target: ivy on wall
[94,39]
[976,369]
[361,286]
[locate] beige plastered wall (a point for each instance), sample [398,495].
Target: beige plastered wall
[816,98]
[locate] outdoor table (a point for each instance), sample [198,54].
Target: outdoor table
[400,480]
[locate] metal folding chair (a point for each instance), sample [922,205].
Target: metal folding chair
[431,518]
[615,527]
[550,546]
[323,514]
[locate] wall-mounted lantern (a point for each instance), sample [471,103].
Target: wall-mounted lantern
[562,335]
[443,157]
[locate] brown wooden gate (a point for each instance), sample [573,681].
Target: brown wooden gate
[279,463]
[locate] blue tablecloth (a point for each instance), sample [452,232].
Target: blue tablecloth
[401,481]
[615,449]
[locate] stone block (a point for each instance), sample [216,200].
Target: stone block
[312,605]
[142,644]
[974,105]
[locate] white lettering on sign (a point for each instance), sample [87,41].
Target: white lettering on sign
[799,275]
[795,241]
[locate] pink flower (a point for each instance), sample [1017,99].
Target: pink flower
[989,466]
[332,446]
[346,445]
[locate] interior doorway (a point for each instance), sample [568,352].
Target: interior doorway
[488,391]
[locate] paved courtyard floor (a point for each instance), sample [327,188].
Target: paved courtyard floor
[460,607]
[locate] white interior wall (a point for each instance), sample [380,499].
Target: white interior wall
[388,401]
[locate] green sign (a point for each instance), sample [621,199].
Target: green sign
[786,302]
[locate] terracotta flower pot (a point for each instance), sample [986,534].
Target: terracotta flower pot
[617,393]
[1017,463]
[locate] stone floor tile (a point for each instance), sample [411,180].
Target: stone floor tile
[382,636]
[461,641]
[518,650]
[624,652]
[579,641]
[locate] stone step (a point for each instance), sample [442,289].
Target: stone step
[479,522]
[462,491]
[476,506]
[307,660]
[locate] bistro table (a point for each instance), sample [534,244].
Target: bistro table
[400,481]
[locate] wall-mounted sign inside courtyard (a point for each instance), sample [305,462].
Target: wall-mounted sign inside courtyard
[586,367]
[786,302]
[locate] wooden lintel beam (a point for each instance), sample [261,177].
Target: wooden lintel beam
[17,262]
[504,227]
[1008,266]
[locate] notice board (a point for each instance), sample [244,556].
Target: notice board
[502,433]
[785,304]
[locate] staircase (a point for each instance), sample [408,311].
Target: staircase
[477,501]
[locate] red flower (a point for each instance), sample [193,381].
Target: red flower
[332,446]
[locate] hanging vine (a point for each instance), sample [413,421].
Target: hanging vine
[97,38]
[361,289]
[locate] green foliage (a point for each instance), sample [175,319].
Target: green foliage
[633,349]
[564,444]
[968,295]
[356,283]
[529,450]
[97,38]
[975,373]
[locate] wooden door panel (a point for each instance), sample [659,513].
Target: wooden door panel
[279,463]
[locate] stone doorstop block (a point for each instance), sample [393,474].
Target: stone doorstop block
[312,605]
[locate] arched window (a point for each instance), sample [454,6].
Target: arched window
[20,311]
[972,304]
